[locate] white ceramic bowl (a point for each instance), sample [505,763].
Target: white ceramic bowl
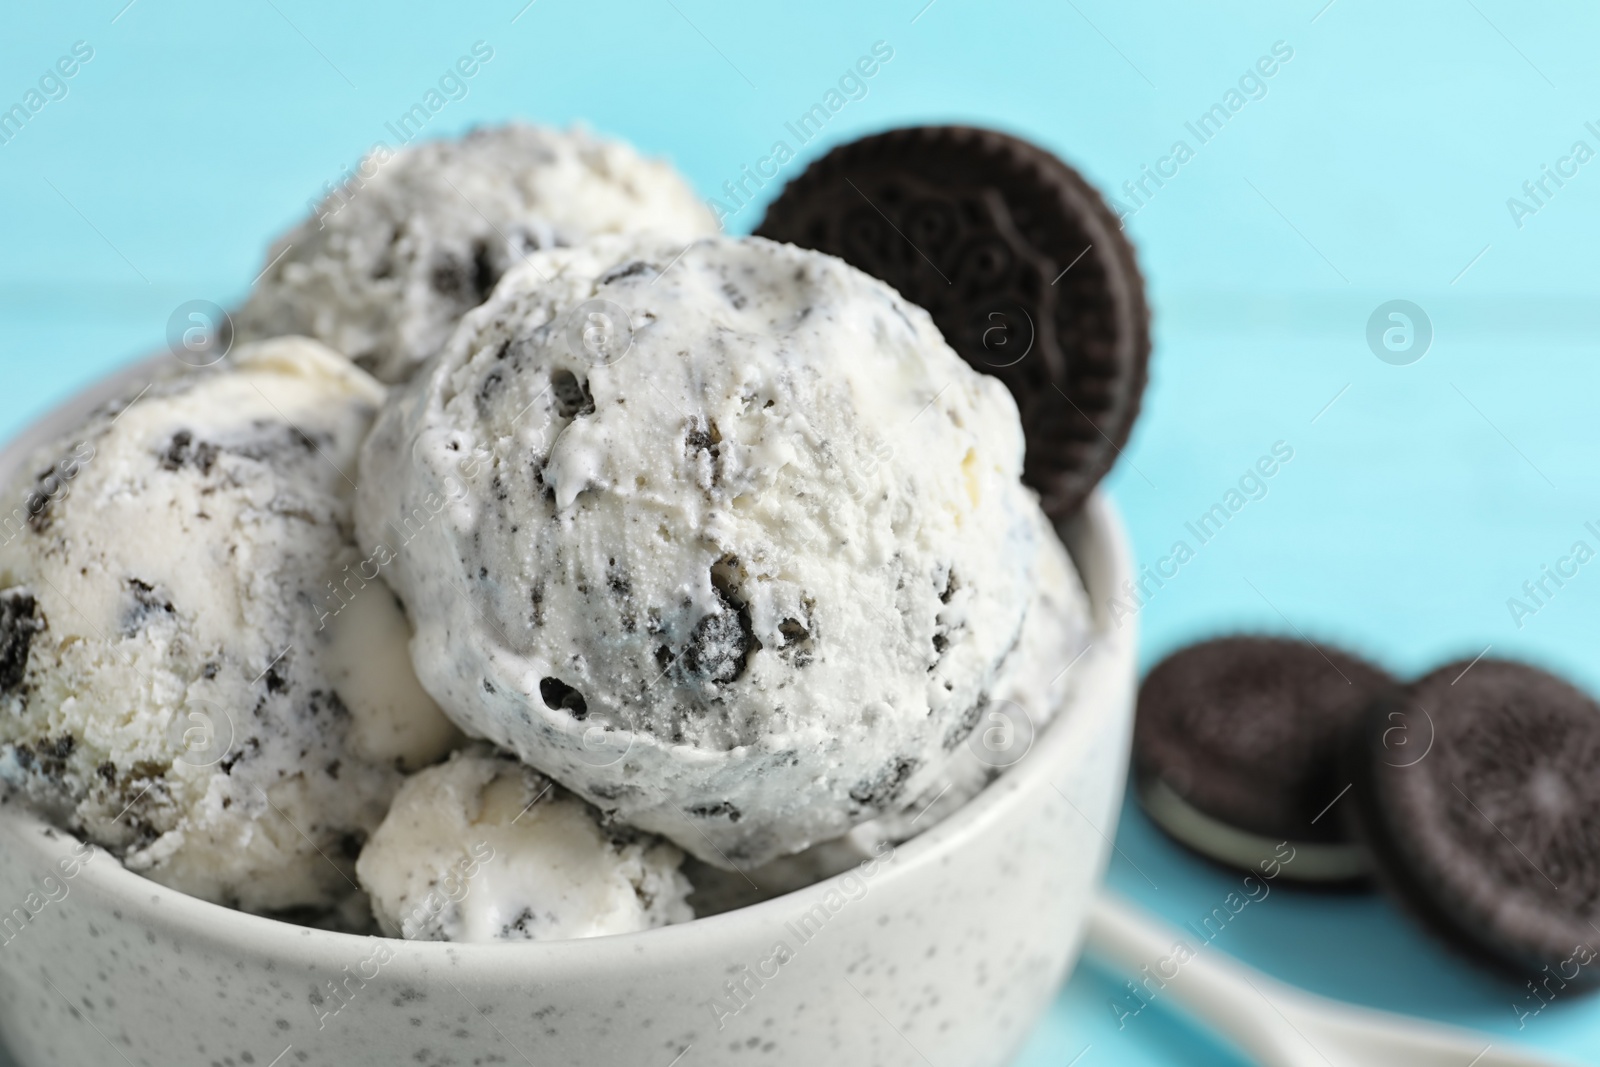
[946,952]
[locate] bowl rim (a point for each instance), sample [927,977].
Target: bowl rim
[1095,538]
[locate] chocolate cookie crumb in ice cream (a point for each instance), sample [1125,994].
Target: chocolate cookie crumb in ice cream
[388,264]
[193,671]
[484,848]
[727,539]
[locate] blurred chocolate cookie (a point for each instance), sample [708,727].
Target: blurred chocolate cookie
[1022,265]
[1237,748]
[1477,790]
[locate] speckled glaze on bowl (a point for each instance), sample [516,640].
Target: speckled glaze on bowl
[946,951]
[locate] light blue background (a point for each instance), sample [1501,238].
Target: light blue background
[1377,166]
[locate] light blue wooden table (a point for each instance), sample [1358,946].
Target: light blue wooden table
[1384,159]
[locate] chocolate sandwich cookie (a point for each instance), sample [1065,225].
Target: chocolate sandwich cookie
[1020,262]
[1237,752]
[1476,789]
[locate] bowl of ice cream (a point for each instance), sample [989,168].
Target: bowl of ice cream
[671,660]
[952,941]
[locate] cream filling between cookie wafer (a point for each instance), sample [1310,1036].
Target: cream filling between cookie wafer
[1313,862]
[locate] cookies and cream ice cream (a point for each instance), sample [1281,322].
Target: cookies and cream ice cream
[484,848]
[1035,683]
[725,539]
[193,672]
[387,266]
[714,544]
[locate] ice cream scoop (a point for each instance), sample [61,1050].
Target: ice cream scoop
[724,538]
[193,672]
[389,262]
[484,848]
